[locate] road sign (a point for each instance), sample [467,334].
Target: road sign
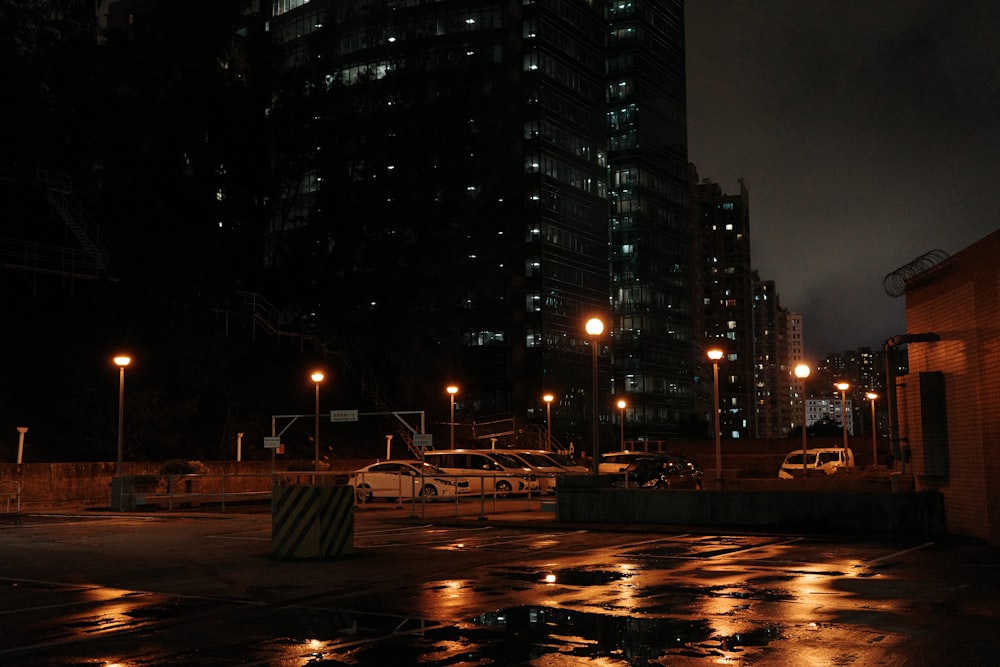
[343,415]
[272,442]
[423,440]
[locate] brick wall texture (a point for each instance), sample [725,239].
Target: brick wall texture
[955,441]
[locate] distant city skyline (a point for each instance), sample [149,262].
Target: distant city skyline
[867,136]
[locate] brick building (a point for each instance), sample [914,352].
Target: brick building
[949,403]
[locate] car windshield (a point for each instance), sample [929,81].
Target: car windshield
[560,460]
[507,460]
[535,460]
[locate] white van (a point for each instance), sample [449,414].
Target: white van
[488,470]
[823,460]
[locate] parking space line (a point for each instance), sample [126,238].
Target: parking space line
[898,553]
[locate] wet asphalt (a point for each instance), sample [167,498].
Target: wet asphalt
[460,585]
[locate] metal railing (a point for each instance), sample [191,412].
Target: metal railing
[11,493]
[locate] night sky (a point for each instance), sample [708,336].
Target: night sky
[868,134]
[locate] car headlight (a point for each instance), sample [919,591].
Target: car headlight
[445,481]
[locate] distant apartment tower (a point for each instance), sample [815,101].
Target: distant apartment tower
[773,362]
[796,356]
[728,301]
[478,180]
[818,409]
[864,370]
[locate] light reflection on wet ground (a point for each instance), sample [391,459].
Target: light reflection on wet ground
[484,596]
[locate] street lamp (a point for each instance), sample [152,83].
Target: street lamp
[121,361]
[621,419]
[594,328]
[871,396]
[452,390]
[842,387]
[802,372]
[548,398]
[316,377]
[715,354]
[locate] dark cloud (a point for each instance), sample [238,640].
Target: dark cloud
[869,133]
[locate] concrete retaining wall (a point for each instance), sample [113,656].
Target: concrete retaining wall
[777,508]
[81,485]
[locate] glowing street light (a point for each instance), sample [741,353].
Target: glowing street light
[316,377]
[621,419]
[842,387]
[121,361]
[452,390]
[802,372]
[594,328]
[548,398]
[715,354]
[871,396]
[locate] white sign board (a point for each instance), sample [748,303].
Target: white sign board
[343,415]
[423,440]
[272,442]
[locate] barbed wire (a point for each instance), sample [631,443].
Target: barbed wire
[895,283]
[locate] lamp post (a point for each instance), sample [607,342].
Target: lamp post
[452,390]
[871,396]
[548,398]
[715,354]
[316,377]
[594,328]
[842,387]
[802,372]
[621,419]
[121,361]
[21,430]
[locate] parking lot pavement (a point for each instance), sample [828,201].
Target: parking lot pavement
[512,589]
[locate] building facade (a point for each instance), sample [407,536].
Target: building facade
[948,404]
[468,183]
[728,302]
[773,363]
[820,409]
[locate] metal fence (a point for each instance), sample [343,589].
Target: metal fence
[222,490]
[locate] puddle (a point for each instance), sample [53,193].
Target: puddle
[565,577]
[519,635]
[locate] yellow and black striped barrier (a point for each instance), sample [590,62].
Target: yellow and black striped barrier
[312,521]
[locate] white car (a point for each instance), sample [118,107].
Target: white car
[405,479]
[547,466]
[821,461]
[491,471]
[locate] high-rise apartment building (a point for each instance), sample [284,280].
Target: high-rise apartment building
[464,184]
[796,356]
[652,277]
[773,362]
[728,302]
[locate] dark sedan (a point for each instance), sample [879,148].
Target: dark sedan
[658,472]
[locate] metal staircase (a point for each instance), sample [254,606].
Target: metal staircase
[88,261]
[276,323]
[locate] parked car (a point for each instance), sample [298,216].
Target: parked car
[616,462]
[824,460]
[661,472]
[488,470]
[546,467]
[564,462]
[405,479]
